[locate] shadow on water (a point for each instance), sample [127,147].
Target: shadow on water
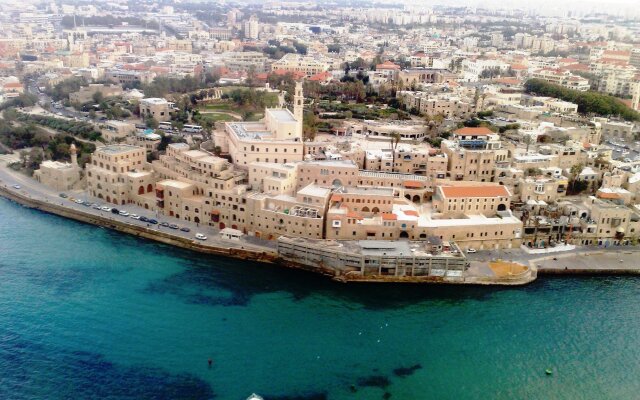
[243,280]
[310,396]
[38,371]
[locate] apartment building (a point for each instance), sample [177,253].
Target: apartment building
[541,189]
[307,65]
[472,154]
[302,215]
[117,130]
[86,93]
[429,104]
[563,78]
[200,187]
[157,108]
[108,173]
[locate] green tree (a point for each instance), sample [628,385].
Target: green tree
[395,140]
[151,122]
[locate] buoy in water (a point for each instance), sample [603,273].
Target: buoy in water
[548,371]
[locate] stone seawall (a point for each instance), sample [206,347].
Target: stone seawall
[585,271]
[139,231]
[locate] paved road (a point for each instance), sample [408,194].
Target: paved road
[31,188]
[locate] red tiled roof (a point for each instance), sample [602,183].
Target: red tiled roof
[481,130]
[474,191]
[606,195]
[389,217]
[336,197]
[387,65]
[617,53]
[509,81]
[355,215]
[413,184]
[322,76]
[411,212]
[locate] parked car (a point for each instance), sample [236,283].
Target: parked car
[153,221]
[64,196]
[124,213]
[144,219]
[165,224]
[200,236]
[185,229]
[174,226]
[115,211]
[134,216]
[16,186]
[96,206]
[107,209]
[78,201]
[471,250]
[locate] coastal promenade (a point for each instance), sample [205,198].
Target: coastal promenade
[613,260]
[482,270]
[34,195]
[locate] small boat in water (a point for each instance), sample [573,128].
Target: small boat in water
[547,371]
[254,397]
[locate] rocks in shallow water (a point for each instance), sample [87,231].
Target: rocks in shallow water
[374,381]
[406,371]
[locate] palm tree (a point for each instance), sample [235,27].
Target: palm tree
[395,139]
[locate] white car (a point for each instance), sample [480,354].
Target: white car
[105,208]
[134,216]
[471,250]
[17,186]
[200,236]
[124,213]
[78,201]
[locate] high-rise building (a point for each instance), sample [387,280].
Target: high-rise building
[251,28]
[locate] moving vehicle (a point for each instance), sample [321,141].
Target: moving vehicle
[16,186]
[64,196]
[200,236]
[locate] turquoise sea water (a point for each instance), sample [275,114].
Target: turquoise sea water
[86,313]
